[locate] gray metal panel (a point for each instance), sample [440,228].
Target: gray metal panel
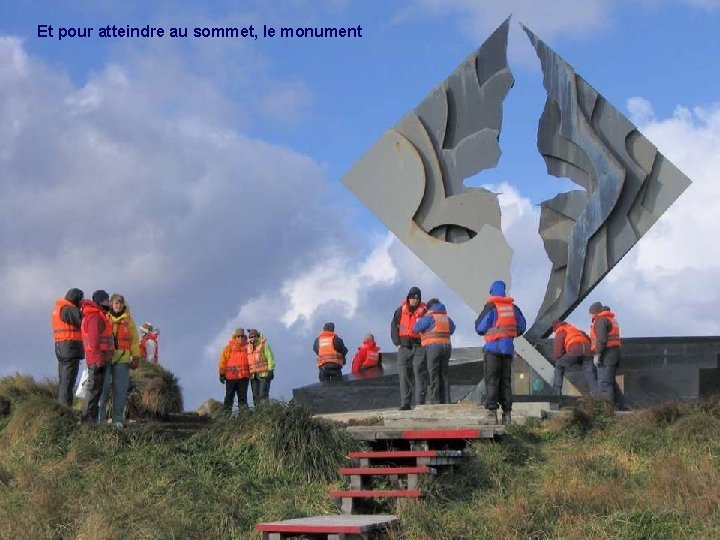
[629,185]
[412,178]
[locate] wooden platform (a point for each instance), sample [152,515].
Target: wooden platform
[335,527]
[453,415]
[376,433]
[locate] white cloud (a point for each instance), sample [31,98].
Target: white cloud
[560,17]
[337,280]
[641,110]
[124,183]
[667,285]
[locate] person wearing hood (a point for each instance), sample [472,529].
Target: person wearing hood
[605,347]
[435,329]
[412,362]
[125,357]
[234,370]
[149,347]
[368,357]
[572,346]
[500,321]
[331,353]
[99,345]
[65,321]
[262,366]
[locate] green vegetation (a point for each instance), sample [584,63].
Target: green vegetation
[651,475]
[154,392]
[62,480]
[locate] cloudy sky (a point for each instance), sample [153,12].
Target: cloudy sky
[200,177]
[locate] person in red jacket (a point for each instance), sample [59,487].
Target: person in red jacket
[368,358]
[149,346]
[99,344]
[572,346]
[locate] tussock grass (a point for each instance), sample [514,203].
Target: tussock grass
[655,474]
[287,437]
[155,392]
[61,480]
[18,387]
[590,412]
[5,406]
[38,426]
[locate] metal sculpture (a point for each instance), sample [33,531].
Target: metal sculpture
[412,179]
[627,185]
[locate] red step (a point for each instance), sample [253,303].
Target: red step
[384,454]
[423,469]
[372,493]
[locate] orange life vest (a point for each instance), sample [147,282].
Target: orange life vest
[613,338]
[63,331]
[575,336]
[143,349]
[506,323]
[256,358]
[238,366]
[121,331]
[326,350]
[408,320]
[440,334]
[107,340]
[372,357]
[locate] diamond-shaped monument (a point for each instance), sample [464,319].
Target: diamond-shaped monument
[412,178]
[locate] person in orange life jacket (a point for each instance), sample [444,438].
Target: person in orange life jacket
[435,329]
[65,320]
[368,357]
[605,347]
[412,362]
[234,370]
[125,358]
[572,346]
[331,353]
[500,321]
[149,347]
[262,366]
[99,345]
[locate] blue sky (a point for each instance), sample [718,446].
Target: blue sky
[200,177]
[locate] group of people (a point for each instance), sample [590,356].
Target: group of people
[331,354]
[598,353]
[101,331]
[246,360]
[421,332]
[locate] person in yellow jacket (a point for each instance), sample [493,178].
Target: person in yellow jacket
[262,366]
[125,357]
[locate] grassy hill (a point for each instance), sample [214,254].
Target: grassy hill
[654,474]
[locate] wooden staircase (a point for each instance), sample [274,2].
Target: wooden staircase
[400,463]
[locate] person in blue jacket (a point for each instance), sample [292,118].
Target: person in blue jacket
[500,321]
[435,329]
